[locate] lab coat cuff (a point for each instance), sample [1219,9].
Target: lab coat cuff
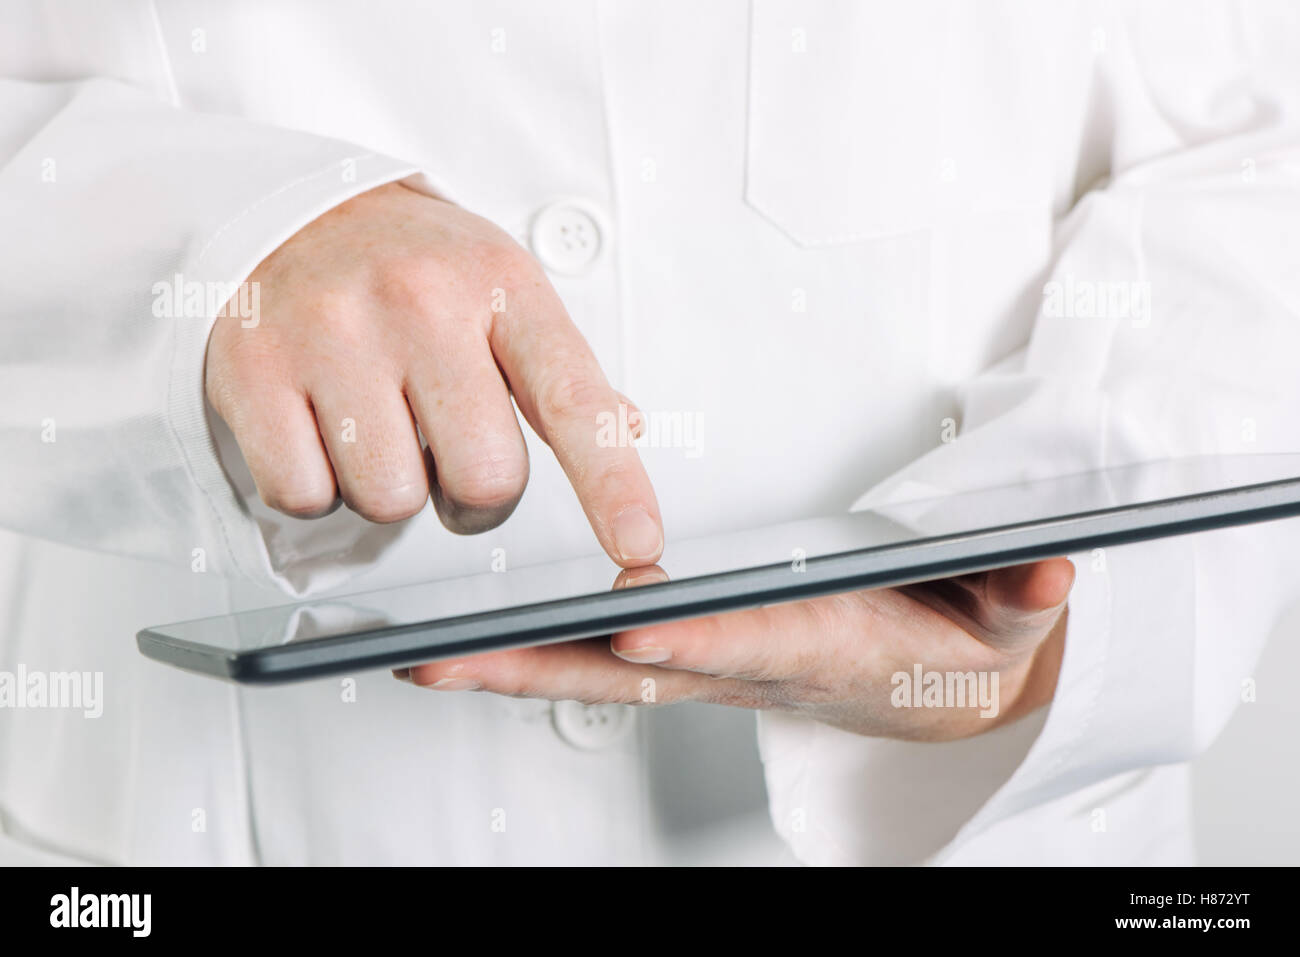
[1123,701]
[1125,694]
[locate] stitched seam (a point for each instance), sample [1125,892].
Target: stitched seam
[267,198]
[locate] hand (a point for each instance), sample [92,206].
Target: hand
[837,659]
[378,317]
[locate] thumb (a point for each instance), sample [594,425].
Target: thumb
[1021,603]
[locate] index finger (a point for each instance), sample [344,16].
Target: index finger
[565,397]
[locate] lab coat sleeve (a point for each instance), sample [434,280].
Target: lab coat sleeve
[1162,638]
[112,201]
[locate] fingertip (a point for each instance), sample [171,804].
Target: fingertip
[638,537]
[1054,579]
[1036,586]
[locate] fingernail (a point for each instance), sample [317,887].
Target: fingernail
[648,655]
[455,684]
[637,536]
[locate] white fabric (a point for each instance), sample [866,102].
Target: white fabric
[827,228]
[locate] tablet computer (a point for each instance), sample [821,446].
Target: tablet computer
[933,536]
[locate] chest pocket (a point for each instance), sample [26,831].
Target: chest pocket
[868,120]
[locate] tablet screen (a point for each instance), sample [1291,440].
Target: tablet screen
[930,535]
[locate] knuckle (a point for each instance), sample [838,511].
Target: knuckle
[385,506]
[299,502]
[454,284]
[613,476]
[501,261]
[406,282]
[332,313]
[487,482]
[572,392]
[333,303]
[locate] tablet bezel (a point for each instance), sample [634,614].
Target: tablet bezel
[603,613]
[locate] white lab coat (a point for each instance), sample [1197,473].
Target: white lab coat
[820,229]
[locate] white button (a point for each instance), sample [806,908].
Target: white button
[590,727]
[565,238]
